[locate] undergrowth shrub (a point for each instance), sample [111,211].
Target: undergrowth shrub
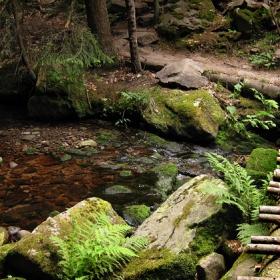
[96,250]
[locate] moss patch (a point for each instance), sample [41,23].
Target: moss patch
[136,214]
[261,162]
[154,264]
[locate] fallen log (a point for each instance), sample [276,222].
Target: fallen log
[267,249]
[230,81]
[269,209]
[277,173]
[270,218]
[273,190]
[265,239]
[274,184]
[256,278]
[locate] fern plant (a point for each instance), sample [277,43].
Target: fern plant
[96,250]
[240,192]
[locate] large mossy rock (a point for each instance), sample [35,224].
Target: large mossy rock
[63,103]
[260,163]
[35,256]
[187,115]
[187,226]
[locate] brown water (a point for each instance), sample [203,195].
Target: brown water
[43,182]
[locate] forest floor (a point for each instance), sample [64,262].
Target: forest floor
[227,63]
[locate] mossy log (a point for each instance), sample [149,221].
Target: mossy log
[269,209]
[230,81]
[265,239]
[268,249]
[256,278]
[270,218]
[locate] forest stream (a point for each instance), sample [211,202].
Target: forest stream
[44,169]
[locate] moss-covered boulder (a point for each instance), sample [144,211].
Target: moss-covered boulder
[71,102]
[181,18]
[188,115]
[35,256]
[167,179]
[187,226]
[135,215]
[243,266]
[260,163]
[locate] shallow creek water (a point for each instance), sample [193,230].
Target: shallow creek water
[57,175]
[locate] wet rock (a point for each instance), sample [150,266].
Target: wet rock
[126,173]
[186,74]
[211,267]
[65,157]
[167,174]
[86,143]
[22,233]
[13,164]
[28,137]
[117,189]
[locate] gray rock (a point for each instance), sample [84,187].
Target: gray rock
[117,189]
[211,267]
[146,38]
[186,74]
[244,266]
[22,233]
[174,225]
[145,20]
[37,252]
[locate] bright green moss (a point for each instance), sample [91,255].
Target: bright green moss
[154,264]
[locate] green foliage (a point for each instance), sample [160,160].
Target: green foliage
[241,192]
[263,60]
[63,59]
[237,89]
[261,119]
[245,231]
[130,102]
[96,250]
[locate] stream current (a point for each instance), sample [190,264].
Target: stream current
[45,170]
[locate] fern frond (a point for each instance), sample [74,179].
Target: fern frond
[245,231]
[96,249]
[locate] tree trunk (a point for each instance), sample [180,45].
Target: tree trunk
[156,12]
[25,58]
[132,31]
[98,22]
[268,249]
